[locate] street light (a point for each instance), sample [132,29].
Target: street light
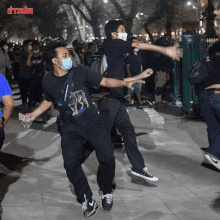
[195,8]
[189,3]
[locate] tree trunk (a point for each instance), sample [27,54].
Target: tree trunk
[95,25]
[128,25]
[148,32]
[169,27]
[71,13]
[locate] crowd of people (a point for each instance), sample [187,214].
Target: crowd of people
[68,76]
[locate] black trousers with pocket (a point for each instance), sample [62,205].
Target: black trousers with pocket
[72,150]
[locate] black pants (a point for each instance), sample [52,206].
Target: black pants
[113,112]
[36,92]
[72,150]
[210,108]
[24,85]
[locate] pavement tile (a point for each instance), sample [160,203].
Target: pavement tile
[172,192]
[152,208]
[23,212]
[129,193]
[18,198]
[192,210]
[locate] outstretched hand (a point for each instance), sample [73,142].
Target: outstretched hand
[174,52]
[145,74]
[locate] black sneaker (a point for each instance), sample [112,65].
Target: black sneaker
[89,208]
[107,201]
[144,174]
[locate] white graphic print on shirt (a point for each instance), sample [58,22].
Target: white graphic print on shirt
[76,98]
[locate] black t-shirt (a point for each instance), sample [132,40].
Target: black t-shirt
[81,111]
[37,66]
[135,62]
[115,50]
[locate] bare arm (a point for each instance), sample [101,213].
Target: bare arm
[128,70]
[143,75]
[8,103]
[172,52]
[113,83]
[42,108]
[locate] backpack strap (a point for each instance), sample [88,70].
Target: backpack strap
[66,90]
[65,98]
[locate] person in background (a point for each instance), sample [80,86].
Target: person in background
[12,60]
[134,67]
[74,55]
[89,54]
[7,108]
[16,66]
[36,62]
[5,64]
[78,48]
[209,98]
[162,68]
[25,71]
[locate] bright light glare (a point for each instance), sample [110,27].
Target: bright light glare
[105,1]
[189,3]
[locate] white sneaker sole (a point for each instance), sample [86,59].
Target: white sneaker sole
[154,179]
[210,160]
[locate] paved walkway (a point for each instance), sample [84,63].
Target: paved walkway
[188,188]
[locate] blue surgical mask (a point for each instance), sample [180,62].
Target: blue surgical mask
[67,64]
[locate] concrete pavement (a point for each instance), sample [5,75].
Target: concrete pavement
[173,148]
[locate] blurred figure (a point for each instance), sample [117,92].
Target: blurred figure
[134,67]
[162,68]
[25,70]
[16,66]
[36,62]
[89,54]
[12,60]
[78,48]
[74,55]
[8,105]
[209,98]
[5,64]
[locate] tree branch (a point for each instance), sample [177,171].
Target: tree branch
[118,7]
[86,5]
[134,6]
[82,14]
